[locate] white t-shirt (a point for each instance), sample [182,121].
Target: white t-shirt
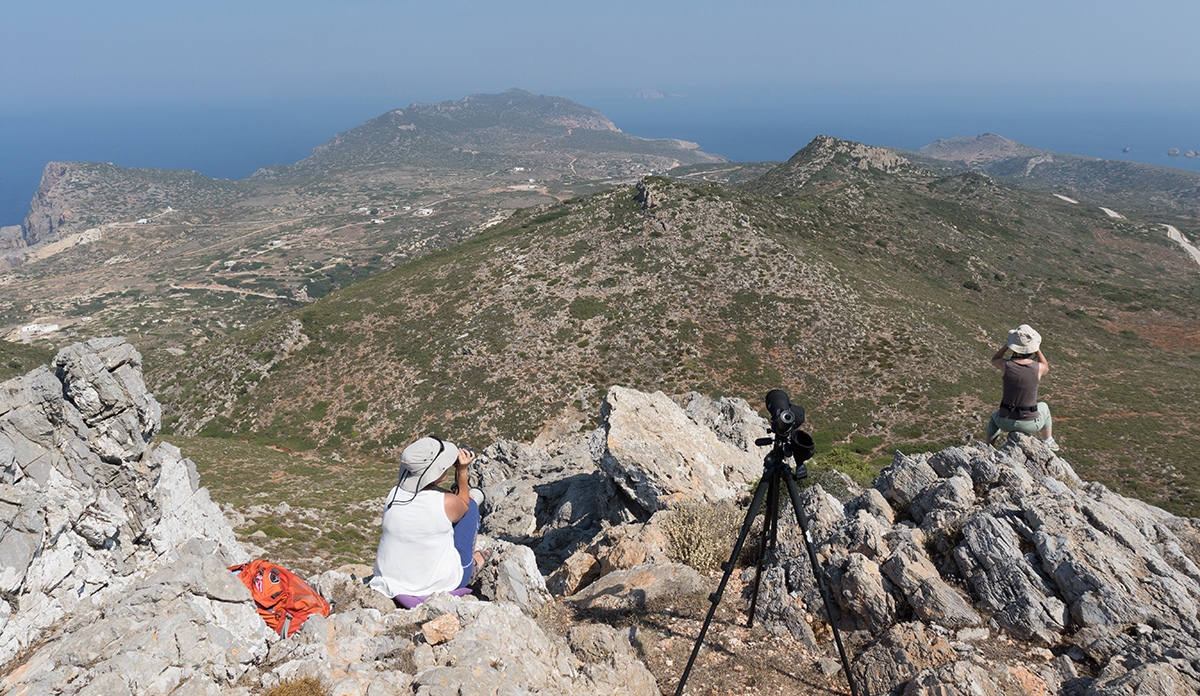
[416,554]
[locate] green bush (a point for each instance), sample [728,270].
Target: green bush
[587,307]
[702,535]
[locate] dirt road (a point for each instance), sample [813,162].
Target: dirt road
[1176,235]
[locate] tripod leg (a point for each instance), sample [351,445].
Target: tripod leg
[794,494]
[715,597]
[770,519]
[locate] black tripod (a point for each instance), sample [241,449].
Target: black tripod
[788,442]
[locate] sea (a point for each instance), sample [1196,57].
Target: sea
[230,139]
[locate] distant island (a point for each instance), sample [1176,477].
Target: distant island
[647,93]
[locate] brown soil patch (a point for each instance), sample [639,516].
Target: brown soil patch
[1166,332]
[734,659]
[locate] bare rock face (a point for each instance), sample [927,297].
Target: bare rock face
[656,454]
[47,212]
[630,589]
[108,543]
[12,246]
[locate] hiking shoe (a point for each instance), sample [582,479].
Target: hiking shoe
[1051,444]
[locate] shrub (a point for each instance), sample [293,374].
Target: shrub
[305,686]
[702,535]
[845,461]
[586,307]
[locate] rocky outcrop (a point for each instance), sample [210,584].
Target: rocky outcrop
[1012,539]
[656,454]
[12,247]
[108,545]
[112,563]
[113,568]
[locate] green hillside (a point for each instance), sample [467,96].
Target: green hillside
[872,290]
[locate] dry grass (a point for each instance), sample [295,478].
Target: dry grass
[305,686]
[702,535]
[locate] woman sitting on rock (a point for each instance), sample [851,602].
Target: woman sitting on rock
[1019,408]
[428,539]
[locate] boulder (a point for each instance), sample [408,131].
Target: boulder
[965,678]
[578,571]
[609,661]
[626,590]
[631,545]
[931,598]
[904,480]
[778,610]
[656,455]
[1162,661]
[511,575]
[731,419]
[862,594]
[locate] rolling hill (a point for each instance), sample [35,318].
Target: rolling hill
[872,289]
[174,259]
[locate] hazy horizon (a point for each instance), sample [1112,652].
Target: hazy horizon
[227,87]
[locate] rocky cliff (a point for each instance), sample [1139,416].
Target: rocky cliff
[970,570]
[80,195]
[12,245]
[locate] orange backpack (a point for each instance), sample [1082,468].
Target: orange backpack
[284,599]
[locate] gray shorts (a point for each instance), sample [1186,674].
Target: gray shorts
[1008,425]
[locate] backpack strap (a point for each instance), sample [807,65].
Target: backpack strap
[287,621]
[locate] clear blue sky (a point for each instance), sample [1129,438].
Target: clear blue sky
[67,52]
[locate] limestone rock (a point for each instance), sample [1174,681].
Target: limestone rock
[904,480]
[512,576]
[12,247]
[731,419]
[860,592]
[608,660]
[89,510]
[1162,662]
[899,655]
[578,571]
[931,599]
[634,588]
[656,454]
[628,546]
[509,509]
[1006,580]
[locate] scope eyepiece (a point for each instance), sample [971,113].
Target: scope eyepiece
[784,415]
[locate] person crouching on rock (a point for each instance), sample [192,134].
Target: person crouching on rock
[1019,408]
[428,540]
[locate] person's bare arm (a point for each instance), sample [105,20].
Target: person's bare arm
[1043,364]
[998,358]
[458,503]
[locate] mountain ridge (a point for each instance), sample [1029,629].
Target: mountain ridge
[900,281]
